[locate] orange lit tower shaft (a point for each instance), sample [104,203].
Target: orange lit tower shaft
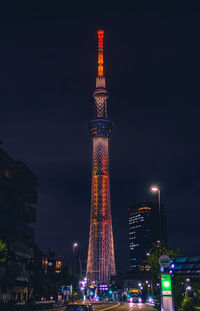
[101,261]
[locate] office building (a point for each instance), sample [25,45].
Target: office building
[144,231]
[188,267]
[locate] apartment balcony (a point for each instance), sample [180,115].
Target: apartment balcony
[24,276]
[20,249]
[25,229]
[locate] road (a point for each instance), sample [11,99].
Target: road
[118,307]
[125,307]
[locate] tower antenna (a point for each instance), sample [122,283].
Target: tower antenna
[100,52]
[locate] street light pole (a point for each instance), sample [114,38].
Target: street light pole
[75,245]
[160,215]
[156,189]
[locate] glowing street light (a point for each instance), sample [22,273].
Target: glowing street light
[75,244]
[154,189]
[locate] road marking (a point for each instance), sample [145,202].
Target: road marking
[112,307]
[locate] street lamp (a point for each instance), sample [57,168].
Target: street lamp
[75,249]
[156,189]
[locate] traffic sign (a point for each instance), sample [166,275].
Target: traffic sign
[164,261]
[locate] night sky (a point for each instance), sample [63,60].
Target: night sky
[48,67]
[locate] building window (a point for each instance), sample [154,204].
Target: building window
[7,174]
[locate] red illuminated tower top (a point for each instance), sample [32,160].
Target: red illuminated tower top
[100,52]
[100,93]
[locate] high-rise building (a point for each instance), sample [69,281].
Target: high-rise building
[144,231]
[76,260]
[101,261]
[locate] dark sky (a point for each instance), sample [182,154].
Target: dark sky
[48,65]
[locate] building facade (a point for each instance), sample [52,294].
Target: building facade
[101,261]
[76,261]
[18,191]
[188,267]
[52,262]
[144,231]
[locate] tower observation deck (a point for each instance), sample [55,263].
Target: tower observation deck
[101,260]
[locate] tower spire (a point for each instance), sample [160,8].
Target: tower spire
[100,52]
[100,93]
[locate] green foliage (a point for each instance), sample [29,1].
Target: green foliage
[11,270]
[3,252]
[155,252]
[195,293]
[188,304]
[178,290]
[144,293]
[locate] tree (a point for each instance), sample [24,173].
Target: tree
[178,286]
[3,252]
[155,252]
[188,304]
[10,270]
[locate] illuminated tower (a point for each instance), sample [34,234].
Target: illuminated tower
[101,260]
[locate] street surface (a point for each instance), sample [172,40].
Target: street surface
[125,307]
[118,307]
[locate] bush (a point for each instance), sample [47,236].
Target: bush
[188,304]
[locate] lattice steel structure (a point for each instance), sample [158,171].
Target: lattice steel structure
[101,260]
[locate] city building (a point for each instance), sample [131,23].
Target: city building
[144,231]
[52,262]
[18,191]
[189,267]
[101,260]
[76,261]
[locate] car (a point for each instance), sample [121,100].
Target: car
[79,307]
[135,299]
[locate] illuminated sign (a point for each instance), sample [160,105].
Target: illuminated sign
[166,284]
[103,287]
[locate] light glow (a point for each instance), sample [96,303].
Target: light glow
[155,189]
[166,284]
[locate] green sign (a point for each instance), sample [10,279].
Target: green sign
[166,284]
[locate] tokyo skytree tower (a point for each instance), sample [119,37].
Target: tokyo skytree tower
[101,260]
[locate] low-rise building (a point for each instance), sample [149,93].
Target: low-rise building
[18,194]
[52,262]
